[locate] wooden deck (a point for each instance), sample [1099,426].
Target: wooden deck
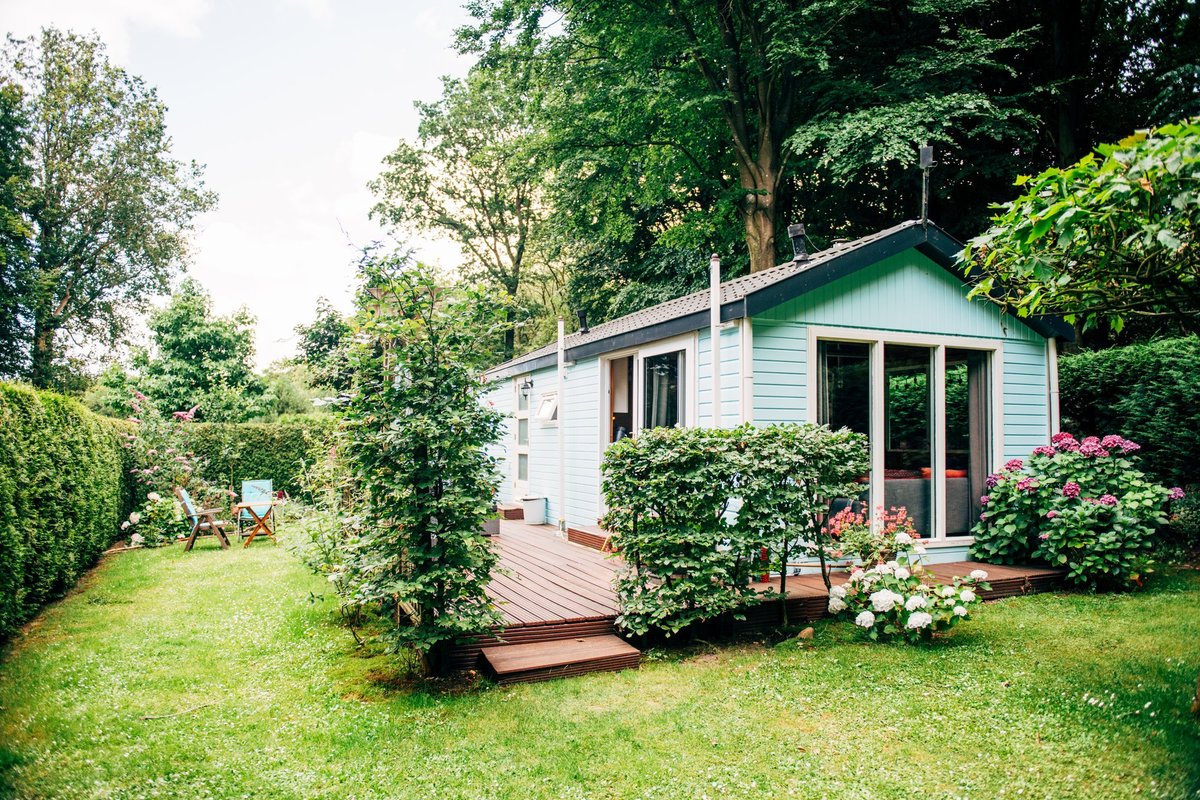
[551,590]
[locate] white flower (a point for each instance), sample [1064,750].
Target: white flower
[946,591]
[919,549]
[855,575]
[125,525]
[838,592]
[154,497]
[915,602]
[882,569]
[967,596]
[903,538]
[836,605]
[960,611]
[865,620]
[919,620]
[885,600]
[891,564]
[902,573]
[135,518]
[978,575]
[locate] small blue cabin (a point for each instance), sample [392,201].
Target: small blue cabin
[876,335]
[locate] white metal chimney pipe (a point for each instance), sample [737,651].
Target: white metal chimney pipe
[562,419]
[714,334]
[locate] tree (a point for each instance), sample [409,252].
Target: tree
[200,359]
[474,176]
[756,107]
[15,231]
[323,347]
[1111,237]
[417,443]
[110,209]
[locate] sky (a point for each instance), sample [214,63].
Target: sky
[291,105]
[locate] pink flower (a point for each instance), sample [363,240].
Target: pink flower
[1064,442]
[983,517]
[983,501]
[1044,536]
[1071,489]
[1112,441]
[992,481]
[1091,447]
[1027,485]
[1045,450]
[1051,514]
[1107,500]
[1130,447]
[1014,465]
[1175,493]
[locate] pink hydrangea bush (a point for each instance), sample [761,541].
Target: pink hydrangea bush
[1083,505]
[897,599]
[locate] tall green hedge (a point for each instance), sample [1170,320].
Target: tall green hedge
[1149,393]
[64,487]
[258,451]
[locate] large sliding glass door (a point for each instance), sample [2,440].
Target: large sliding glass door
[926,410]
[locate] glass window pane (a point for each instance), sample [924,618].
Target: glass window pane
[662,390]
[522,431]
[522,467]
[844,394]
[908,453]
[522,396]
[968,438]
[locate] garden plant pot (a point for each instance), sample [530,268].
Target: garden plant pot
[535,510]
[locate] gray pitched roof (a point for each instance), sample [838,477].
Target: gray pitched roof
[751,294]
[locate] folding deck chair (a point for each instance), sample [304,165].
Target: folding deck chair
[204,521]
[257,509]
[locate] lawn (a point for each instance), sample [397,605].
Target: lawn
[1068,696]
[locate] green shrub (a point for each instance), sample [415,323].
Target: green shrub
[231,452]
[671,494]
[1081,505]
[64,488]
[1144,391]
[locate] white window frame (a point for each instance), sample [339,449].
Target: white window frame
[687,343]
[877,339]
[521,487]
[550,420]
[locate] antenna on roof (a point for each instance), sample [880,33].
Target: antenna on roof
[796,234]
[926,165]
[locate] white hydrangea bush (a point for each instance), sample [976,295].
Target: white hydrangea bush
[898,599]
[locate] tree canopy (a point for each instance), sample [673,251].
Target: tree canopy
[1110,237]
[105,207]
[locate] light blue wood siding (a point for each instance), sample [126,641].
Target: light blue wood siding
[731,389]
[500,396]
[1026,398]
[780,371]
[582,444]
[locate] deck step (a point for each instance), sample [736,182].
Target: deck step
[592,536]
[511,510]
[540,661]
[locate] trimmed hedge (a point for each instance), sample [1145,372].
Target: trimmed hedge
[64,488]
[1149,393]
[258,451]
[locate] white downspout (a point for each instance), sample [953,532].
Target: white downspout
[714,334]
[562,415]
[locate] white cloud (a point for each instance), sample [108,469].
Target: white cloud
[114,20]
[317,9]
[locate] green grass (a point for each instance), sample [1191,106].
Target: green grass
[998,710]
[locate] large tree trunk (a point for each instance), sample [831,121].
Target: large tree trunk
[758,214]
[41,355]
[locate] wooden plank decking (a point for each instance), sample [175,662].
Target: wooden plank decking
[548,589]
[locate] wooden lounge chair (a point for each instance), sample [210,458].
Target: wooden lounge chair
[204,521]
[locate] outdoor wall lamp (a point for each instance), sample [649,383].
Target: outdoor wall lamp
[526,386]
